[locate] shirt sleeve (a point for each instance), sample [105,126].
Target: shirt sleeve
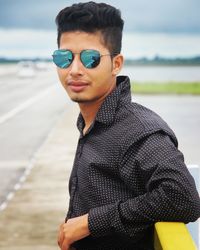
[170,192]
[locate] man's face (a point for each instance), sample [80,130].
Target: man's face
[85,85]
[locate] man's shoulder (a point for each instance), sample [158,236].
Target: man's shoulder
[139,121]
[144,117]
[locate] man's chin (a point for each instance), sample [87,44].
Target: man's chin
[84,100]
[79,100]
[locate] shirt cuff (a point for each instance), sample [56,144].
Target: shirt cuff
[100,219]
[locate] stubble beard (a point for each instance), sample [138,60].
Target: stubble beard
[78,99]
[81,100]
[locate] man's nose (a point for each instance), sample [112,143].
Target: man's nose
[76,68]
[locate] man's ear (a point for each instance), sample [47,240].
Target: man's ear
[118,61]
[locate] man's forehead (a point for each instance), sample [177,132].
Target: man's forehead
[82,33]
[82,37]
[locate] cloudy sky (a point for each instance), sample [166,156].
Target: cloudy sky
[164,27]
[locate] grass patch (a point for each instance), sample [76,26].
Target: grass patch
[188,88]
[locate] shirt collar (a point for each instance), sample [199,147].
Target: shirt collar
[107,111]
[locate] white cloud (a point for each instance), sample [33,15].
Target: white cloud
[27,43]
[168,45]
[32,43]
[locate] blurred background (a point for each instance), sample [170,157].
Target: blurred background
[158,28]
[161,45]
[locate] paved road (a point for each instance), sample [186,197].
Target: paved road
[29,108]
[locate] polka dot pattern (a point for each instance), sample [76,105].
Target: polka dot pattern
[128,174]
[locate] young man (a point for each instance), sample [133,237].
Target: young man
[128,172]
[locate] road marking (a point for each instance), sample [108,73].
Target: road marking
[25,105]
[3,206]
[26,173]
[21,180]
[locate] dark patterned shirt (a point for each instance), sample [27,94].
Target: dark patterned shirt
[128,174]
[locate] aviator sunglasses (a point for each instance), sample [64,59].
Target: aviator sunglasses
[90,58]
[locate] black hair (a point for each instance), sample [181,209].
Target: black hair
[92,17]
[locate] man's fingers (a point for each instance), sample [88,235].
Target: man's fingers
[60,237]
[65,246]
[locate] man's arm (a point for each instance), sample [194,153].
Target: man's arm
[170,195]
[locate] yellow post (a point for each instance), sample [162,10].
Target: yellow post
[172,236]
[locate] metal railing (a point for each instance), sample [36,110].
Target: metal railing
[173,236]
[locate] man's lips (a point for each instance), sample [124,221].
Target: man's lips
[77,86]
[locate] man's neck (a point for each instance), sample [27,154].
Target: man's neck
[89,112]
[89,109]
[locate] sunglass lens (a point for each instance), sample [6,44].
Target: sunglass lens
[62,58]
[90,58]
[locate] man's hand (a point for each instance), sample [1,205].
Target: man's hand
[74,229]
